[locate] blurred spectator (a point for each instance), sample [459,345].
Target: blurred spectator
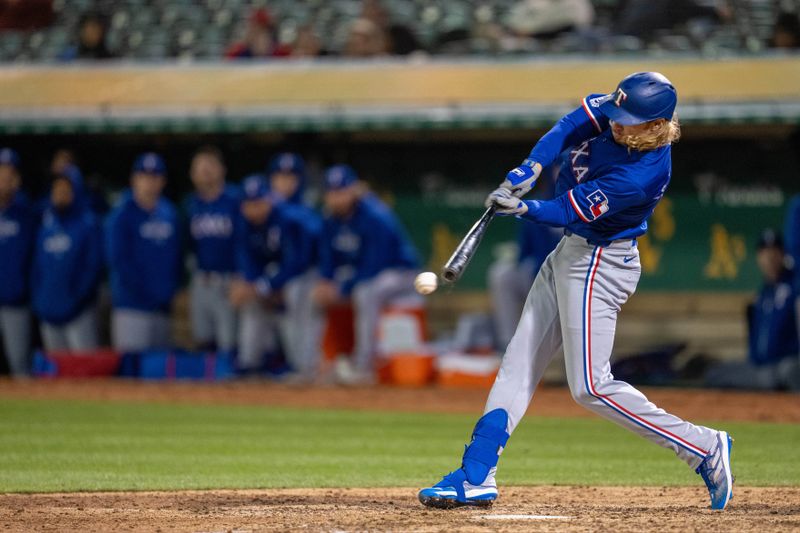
[91,39]
[144,256]
[772,325]
[400,40]
[67,266]
[366,39]
[25,15]
[792,233]
[301,326]
[510,280]
[642,17]
[307,44]
[271,253]
[546,19]
[260,39]
[213,211]
[786,33]
[17,234]
[365,258]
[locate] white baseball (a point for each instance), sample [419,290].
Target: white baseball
[426,282]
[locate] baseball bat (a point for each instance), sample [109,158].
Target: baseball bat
[455,266]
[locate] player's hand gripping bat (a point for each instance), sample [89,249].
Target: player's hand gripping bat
[455,266]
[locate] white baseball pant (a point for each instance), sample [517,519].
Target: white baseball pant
[574,303]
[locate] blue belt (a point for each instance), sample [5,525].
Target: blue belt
[590,242]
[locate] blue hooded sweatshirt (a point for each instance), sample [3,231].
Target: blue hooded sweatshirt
[290,162]
[144,254]
[212,228]
[773,322]
[68,260]
[363,245]
[17,237]
[273,253]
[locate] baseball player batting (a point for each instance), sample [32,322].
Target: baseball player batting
[616,169]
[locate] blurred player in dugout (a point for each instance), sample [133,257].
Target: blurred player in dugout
[17,230]
[365,258]
[213,213]
[67,266]
[274,251]
[773,340]
[144,259]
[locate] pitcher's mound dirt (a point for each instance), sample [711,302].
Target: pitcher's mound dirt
[520,509]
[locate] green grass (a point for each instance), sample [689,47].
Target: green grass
[70,446]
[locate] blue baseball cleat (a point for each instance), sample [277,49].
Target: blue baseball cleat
[716,471]
[455,491]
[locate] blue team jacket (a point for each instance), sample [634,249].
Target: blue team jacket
[273,253]
[212,228]
[17,237]
[604,191]
[370,241]
[144,255]
[67,264]
[792,236]
[773,331]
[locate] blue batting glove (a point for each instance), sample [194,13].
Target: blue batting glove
[505,203]
[520,180]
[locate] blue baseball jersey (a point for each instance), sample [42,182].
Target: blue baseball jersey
[17,237]
[67,264]
[604,190]
[212,228]
[360,247]
[144,255]
[773,331]
[273,253]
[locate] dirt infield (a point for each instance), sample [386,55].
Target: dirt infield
[545,508]
[549,401]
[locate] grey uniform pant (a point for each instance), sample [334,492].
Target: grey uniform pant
[213,318]
[299,326]
[573,305]
[136,331]
[15,328]
[369,298]
[79,334]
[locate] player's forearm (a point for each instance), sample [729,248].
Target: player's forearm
[555,212]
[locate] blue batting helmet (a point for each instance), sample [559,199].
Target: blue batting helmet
[639,98]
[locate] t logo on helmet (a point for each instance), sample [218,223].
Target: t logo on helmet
[620,97]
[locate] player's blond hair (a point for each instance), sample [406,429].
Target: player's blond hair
[661,132]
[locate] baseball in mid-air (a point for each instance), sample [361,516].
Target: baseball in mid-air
[426,282]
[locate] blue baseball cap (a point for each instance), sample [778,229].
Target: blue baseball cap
[339,177]
[10,157]
[286,162]
[150,163]
[255,187]
[640,98]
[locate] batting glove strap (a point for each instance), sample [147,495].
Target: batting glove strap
[520,180]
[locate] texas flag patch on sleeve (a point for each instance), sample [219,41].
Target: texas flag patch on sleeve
[598,203]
